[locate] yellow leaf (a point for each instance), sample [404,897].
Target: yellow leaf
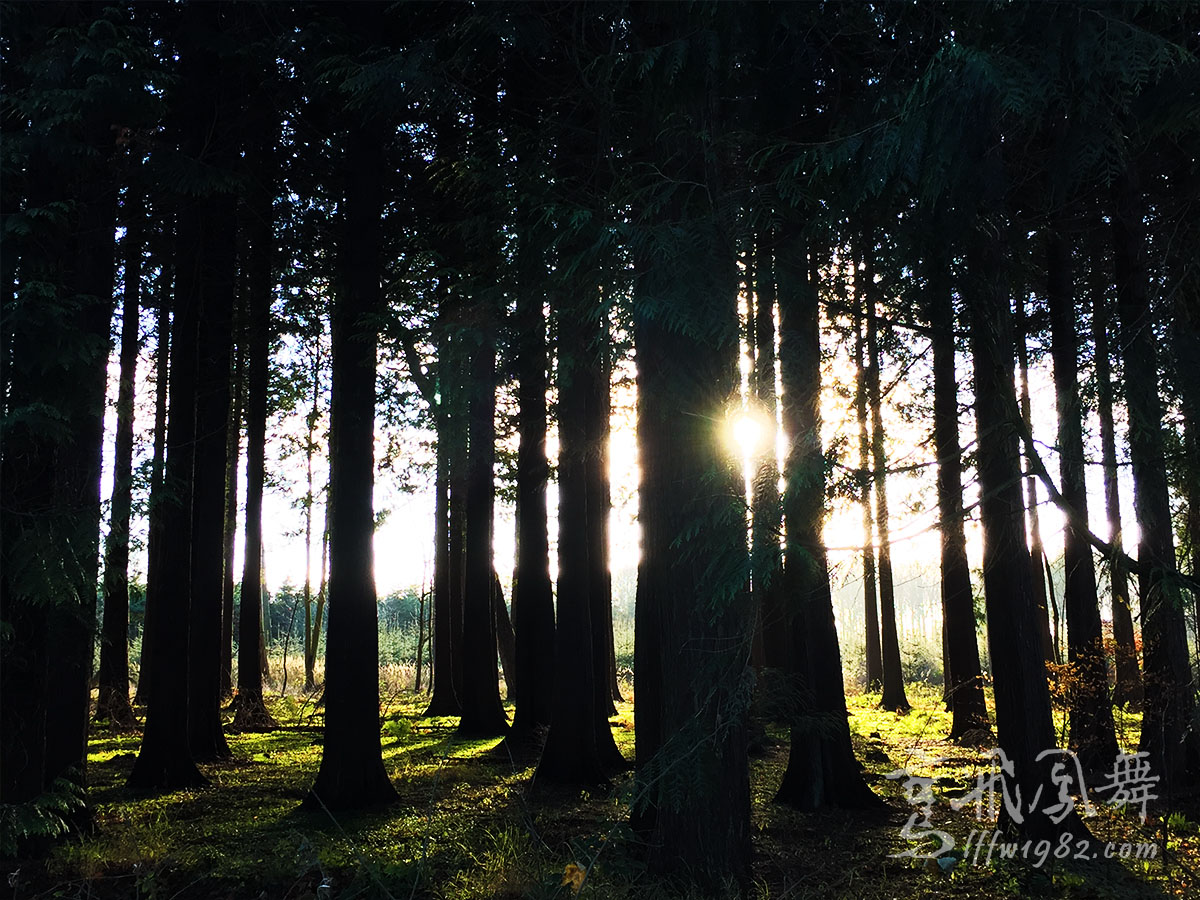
[574,875]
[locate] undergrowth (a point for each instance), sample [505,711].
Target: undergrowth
[468,826]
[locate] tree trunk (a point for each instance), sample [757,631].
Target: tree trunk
[893,697]
[1024,726]
[444,701]
[208,480]
[1128,687]
[1036,551]
[599,406]
[78,461]
[50,455]
[156,537]
[482,712]
[1093,736]
[821,771]
[533,598]
[312,624]
[572,753]
[165,760]
[216,147]
[1166,733]
[506,639]
[113,697]
[251,713]
[352,775]
[456,437]
[233,452]
[696,564]
[964,685]
[874,653]
[766,559]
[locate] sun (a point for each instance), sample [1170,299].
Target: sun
[747,432]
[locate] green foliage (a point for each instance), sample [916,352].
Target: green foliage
[46,817]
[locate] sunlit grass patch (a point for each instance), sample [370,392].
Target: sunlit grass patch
[467,824]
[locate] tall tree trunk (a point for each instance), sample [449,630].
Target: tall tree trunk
[1024,725]
[352,775]
[700,556]
[251,713]
[695,551]
[156,536]
[506,639]
[444,701]
[312,618]
[165,760]
[767,522]
[216,214]
[572,754]
[233,453]
[533,600]
[1093,736]
[208,480]
[1128,687]
[78,460]
[113,696]
[456,437]
[50,454]
[482,712]
[1037,551]
[964,684]
[1166,734]
[874,652]
[821,770]
[653,433]
[27,584]
[893,673]
[598,509]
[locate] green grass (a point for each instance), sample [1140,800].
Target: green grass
[467,826]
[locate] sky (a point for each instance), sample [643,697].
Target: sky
[403,541]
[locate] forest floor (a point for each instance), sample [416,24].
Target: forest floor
[467,826]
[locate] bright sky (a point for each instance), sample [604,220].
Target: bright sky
[403,543]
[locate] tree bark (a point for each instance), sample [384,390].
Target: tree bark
[215,147]
[1128,687]
[1168,704]
[572,753]
[444,700]
[233,453]
[251,713]
[352,775]
[113,696]
[874,653]
[821,770]
[1093,735]
[165,761]
[533,597]
[506,639]
[893,697]
[1024,726]
[533,601]
[482,712]
[1037,552]
[156,536]
[963,679]
[766,558]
